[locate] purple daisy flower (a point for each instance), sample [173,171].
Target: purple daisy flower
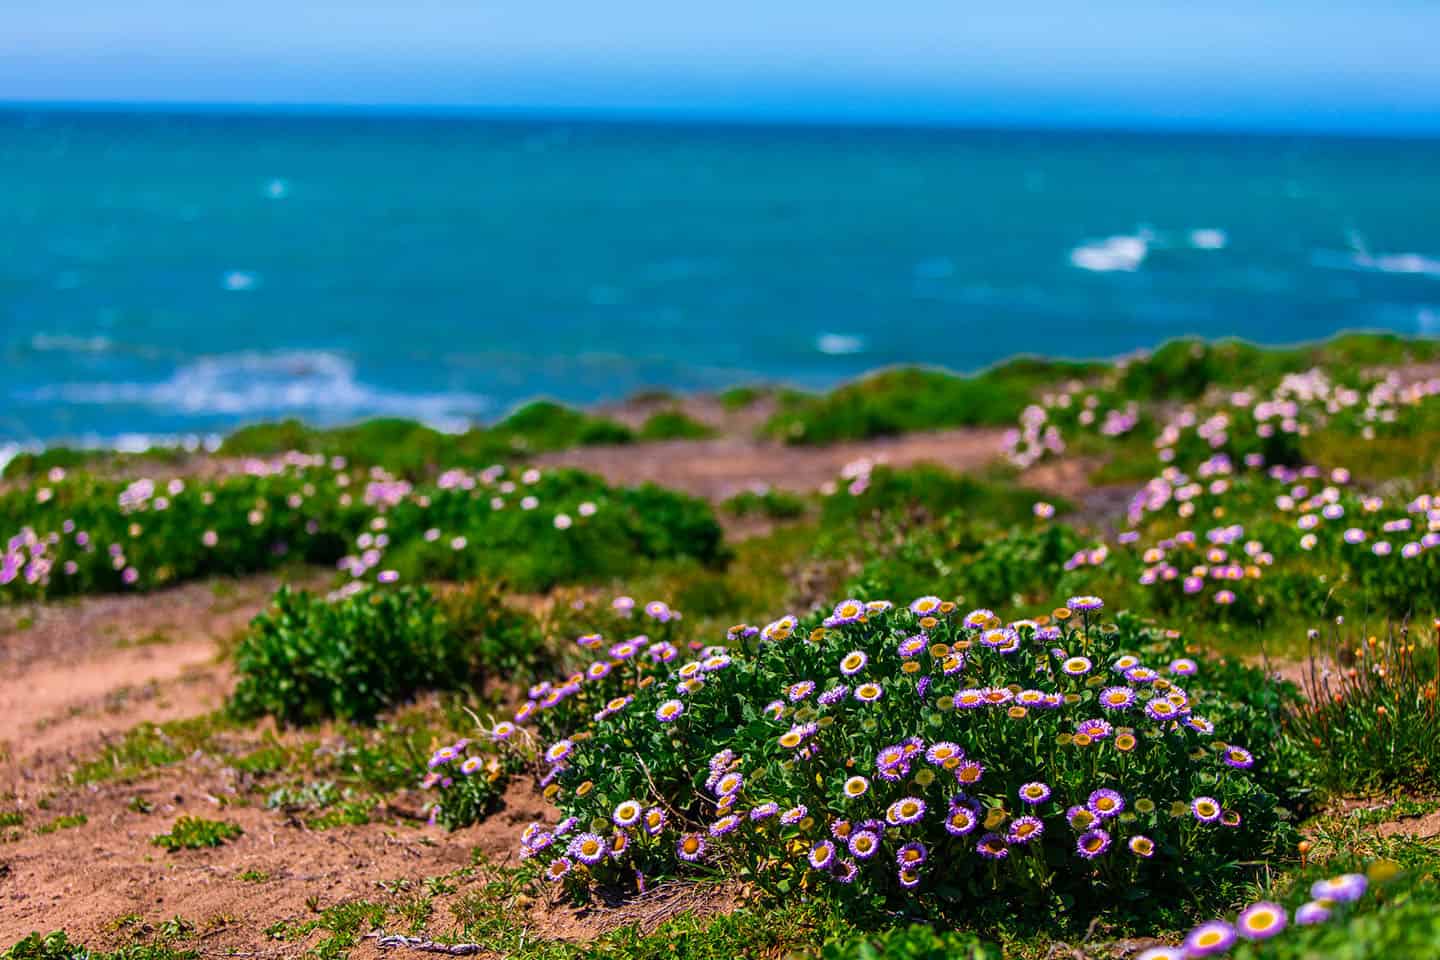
[1085,604]
[834,695]
[587,847]
[1117,698]
[1312,913]
[1206,809]
[1346,888]
[1106,803]
[1239,758]
[1035,792]
[1026,829]
[960,821]
[1208,939]
[853,662]
[992,846]
[1092,843]
[1094,729]
[821,854]
[845,871]
[1261,921]
[794,815]
[846,612]
[764,811]
[906,810]
[909,878]
[911,855]
[690,847]
[864,844]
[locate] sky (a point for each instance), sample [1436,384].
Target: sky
[1338,65]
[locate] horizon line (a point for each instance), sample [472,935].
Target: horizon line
[712,117]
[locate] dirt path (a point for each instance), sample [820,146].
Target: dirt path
[720,468]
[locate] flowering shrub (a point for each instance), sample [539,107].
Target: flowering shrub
[80,534]
[883,751]
[306,658]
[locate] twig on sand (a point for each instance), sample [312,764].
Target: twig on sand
[394,940]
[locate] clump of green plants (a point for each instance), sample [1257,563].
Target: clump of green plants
[196,833]
[1061,761]
[1370,709]
[57,945]
[307,658]
[769,503]
[673,425]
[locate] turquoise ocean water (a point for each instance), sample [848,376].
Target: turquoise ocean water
[166,274]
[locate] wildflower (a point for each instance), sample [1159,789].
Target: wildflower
[1127,662]
[992,847]
[1260,921]
[669,711]
[908,878]
[833,696]
[1092,843]
[846,612]
[1161,710]
[1117,698]
[1084,604]
[1183,667]
[1026,829]
[1239,758]
[960,821]
[724,825]
[729,785]
[1077,666]
[1161,953]
[905,810]
[690,847]
[969,699]
[868,692]
[856,787]
[1205,809]
[845,871]
[794,815]
[558,868]
[1199,725]
[559,751]
[654,821]
[1106,803]
[853,662]
[588,848]
[821,854]
[1035,793]
[911,855]
[1209,939]
[978,619]
[943,752]
[1346,888]
[969,773]
[911,647]
[764,811]
[1311,913]
[864,844]
[1094,729]
[925,606]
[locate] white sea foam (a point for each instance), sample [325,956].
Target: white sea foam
[254,384]
[1412,264]
[277,189]
[64,343]
[1208,239]
[839,344]
[1125,252]
[239,280]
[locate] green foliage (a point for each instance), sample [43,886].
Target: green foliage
[196,833]
[544,425]
[900,401]
[1370,711]
[58,946]
[674,425]
[931,491]
[306,658]
[915,942]
[770,504]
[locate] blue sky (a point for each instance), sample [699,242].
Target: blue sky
[1262,64]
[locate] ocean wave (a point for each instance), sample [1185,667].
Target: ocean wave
[64,343]
[1208,239]
[253,384]
[1123,253]
[839,344]
[1410,264]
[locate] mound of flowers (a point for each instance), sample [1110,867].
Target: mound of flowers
[910,751]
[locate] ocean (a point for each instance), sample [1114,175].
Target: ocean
[168,275]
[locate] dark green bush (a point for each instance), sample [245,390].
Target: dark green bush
[306,659]
[674,425]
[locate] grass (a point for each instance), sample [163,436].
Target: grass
[196,833]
